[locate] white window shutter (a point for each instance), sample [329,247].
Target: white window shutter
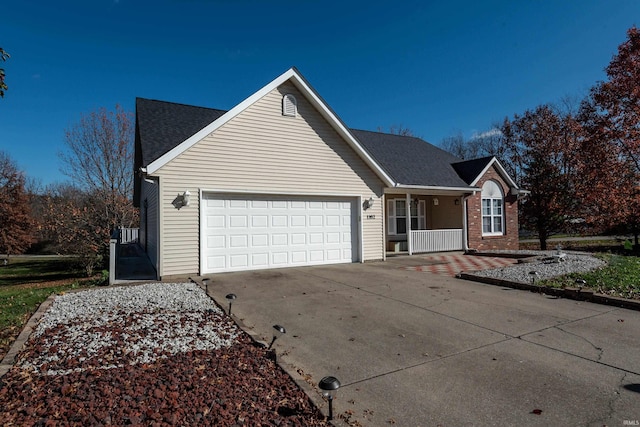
[422,217]
[391,213]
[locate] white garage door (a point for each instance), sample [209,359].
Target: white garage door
[256,232]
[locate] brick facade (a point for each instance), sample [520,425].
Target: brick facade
[509,240]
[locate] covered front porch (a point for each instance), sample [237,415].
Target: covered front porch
[425,221]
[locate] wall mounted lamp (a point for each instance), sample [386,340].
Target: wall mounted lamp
[368,203]
[436,202]
[182,200]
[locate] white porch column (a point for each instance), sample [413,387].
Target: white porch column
[408,206]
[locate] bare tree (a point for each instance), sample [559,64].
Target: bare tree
[3,86]
[15,217]
[456,145]
[99,161]
[397,130]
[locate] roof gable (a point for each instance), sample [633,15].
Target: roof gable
[293,76]
[472,170]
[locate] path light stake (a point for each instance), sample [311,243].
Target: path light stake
[280,330]
[230,298]
[581,283]
[533,275]
[206,284]
[329,387]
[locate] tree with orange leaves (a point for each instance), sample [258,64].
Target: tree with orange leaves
[15,218]
[611,150]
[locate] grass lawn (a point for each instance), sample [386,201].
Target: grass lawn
[621,277]
[25,283]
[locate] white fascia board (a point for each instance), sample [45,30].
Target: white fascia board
[192,140]
[300,83]
[434,188]
[501,170]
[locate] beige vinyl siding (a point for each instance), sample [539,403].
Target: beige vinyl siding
[260,150]
[149,234]
[446,215]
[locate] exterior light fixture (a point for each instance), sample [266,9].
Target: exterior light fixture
[368,203]
[230,298]
[186,196]
[533,275]
[279,331]
[436,202]
[329,387]
[456,202]
[206,284]
[581,283]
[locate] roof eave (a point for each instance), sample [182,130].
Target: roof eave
[436,188]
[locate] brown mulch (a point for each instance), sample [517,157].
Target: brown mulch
[239,385]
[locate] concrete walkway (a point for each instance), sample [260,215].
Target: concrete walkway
[412,348]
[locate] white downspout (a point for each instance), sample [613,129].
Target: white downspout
[408,213]
[465,228]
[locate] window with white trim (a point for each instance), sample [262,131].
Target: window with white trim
[492,209]
[397,215]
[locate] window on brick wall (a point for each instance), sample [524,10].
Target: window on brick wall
[492,209]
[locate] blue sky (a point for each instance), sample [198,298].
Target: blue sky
[437,68]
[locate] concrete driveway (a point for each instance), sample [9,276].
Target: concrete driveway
[412,348]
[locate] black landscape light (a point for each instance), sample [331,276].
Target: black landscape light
[533,275]
[280,330]
[230,298]
[206,284]
[329,387]
[581,283]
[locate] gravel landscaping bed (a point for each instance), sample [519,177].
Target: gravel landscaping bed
[155,354]
[545,265]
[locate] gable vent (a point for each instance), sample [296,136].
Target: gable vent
[289,105]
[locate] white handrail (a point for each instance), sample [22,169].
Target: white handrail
[436,240]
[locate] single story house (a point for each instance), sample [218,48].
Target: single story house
[279,180]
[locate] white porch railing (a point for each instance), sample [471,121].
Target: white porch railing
[128,235]
[436,240]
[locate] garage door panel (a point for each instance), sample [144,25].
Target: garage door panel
[260,259]
[239,261]
[316,238]
[251,232]
[259,240]
[259,221]
[217,221]
[280,258]
[279,221]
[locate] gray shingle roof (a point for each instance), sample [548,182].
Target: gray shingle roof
[470,169]
[161,126]
[410,160]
